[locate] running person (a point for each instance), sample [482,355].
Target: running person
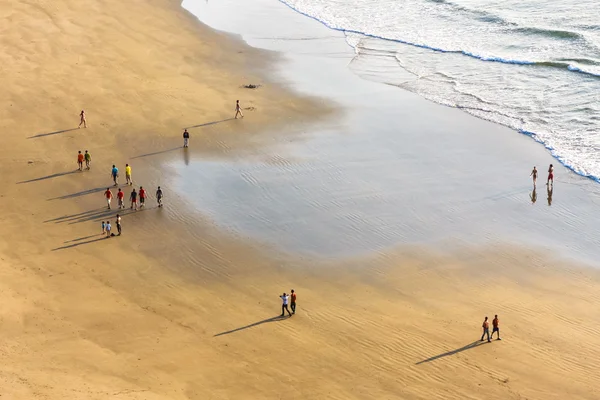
[108,195]
[159,196]
[115,174]
[88,159]
[142,193]
[550,175]
[534,174]
[121,198]
[238,109]
[186,138]
[133,198]
[80,160]
[128,179]
[82,119]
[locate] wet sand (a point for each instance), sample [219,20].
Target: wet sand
[183,307]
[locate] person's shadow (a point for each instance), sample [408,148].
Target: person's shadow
[471,345]
[264,321]
[550,191]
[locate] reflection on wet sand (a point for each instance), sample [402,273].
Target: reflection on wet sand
[550,190]
[533,196]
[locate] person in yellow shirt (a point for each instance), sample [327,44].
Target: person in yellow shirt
[128,174]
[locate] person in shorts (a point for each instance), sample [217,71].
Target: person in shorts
[108,228]
[128,179]
[121,198]
[119,224]
[88,159]
[133,198]
[159,196]
[550,175]
[496,327]
[142,194]
[80,161]
[115,174]
[293,301]
[108,195]
[186,138]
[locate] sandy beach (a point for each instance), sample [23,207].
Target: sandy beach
[185,304]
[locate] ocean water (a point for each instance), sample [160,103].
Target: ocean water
[532,65]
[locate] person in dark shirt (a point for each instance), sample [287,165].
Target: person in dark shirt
[133,198]
[186,138]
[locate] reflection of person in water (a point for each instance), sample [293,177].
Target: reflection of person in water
[550,190]
[533,196]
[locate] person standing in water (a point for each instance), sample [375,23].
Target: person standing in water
[550,175]
[186,138]
[108,195]
[82,119]
[159,196]
[284,304]
[88,159]
[238,109]
[486,329]
[80,160]
[128,179]
[534,175]
[115,174]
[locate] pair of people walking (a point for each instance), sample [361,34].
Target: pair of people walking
[486,329]
[84,157]
[550,179]
[291,299]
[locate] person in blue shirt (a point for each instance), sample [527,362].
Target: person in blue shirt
[115,174]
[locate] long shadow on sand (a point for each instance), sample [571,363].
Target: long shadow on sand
[98,214]
[43,178]
[209,123]
[77,194]
[79,243]
[452,352]
[264,321]
[52,133]
[158,152]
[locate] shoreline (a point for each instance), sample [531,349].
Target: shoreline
[181,307]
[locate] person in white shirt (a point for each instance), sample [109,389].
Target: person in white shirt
[284,305]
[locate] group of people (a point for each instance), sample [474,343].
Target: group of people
[291,299]
[142,195]
[549,184]
[495,329]
[107,227]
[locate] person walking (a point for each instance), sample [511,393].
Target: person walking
[534,174]
[108,228]
[80,160]
[186,138]
[88,160]
[128,179]
[119,224]
[550,175]
[159,196]
[121,198]
[82,119]
[115,174]
[293,301]
[142,194]
[103,227]
[496,327]
[133,198]
[108,195]
[238,109]
[486,329]
[284,305]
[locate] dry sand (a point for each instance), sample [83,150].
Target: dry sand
[88,318]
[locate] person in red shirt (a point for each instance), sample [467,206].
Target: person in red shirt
[80,161]
[142,194]
[108,195]
[121,198]
[486,329]
[293,301]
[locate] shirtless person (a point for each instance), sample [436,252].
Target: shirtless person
[534,175]
[238,109]
[82,119]
[550,175]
